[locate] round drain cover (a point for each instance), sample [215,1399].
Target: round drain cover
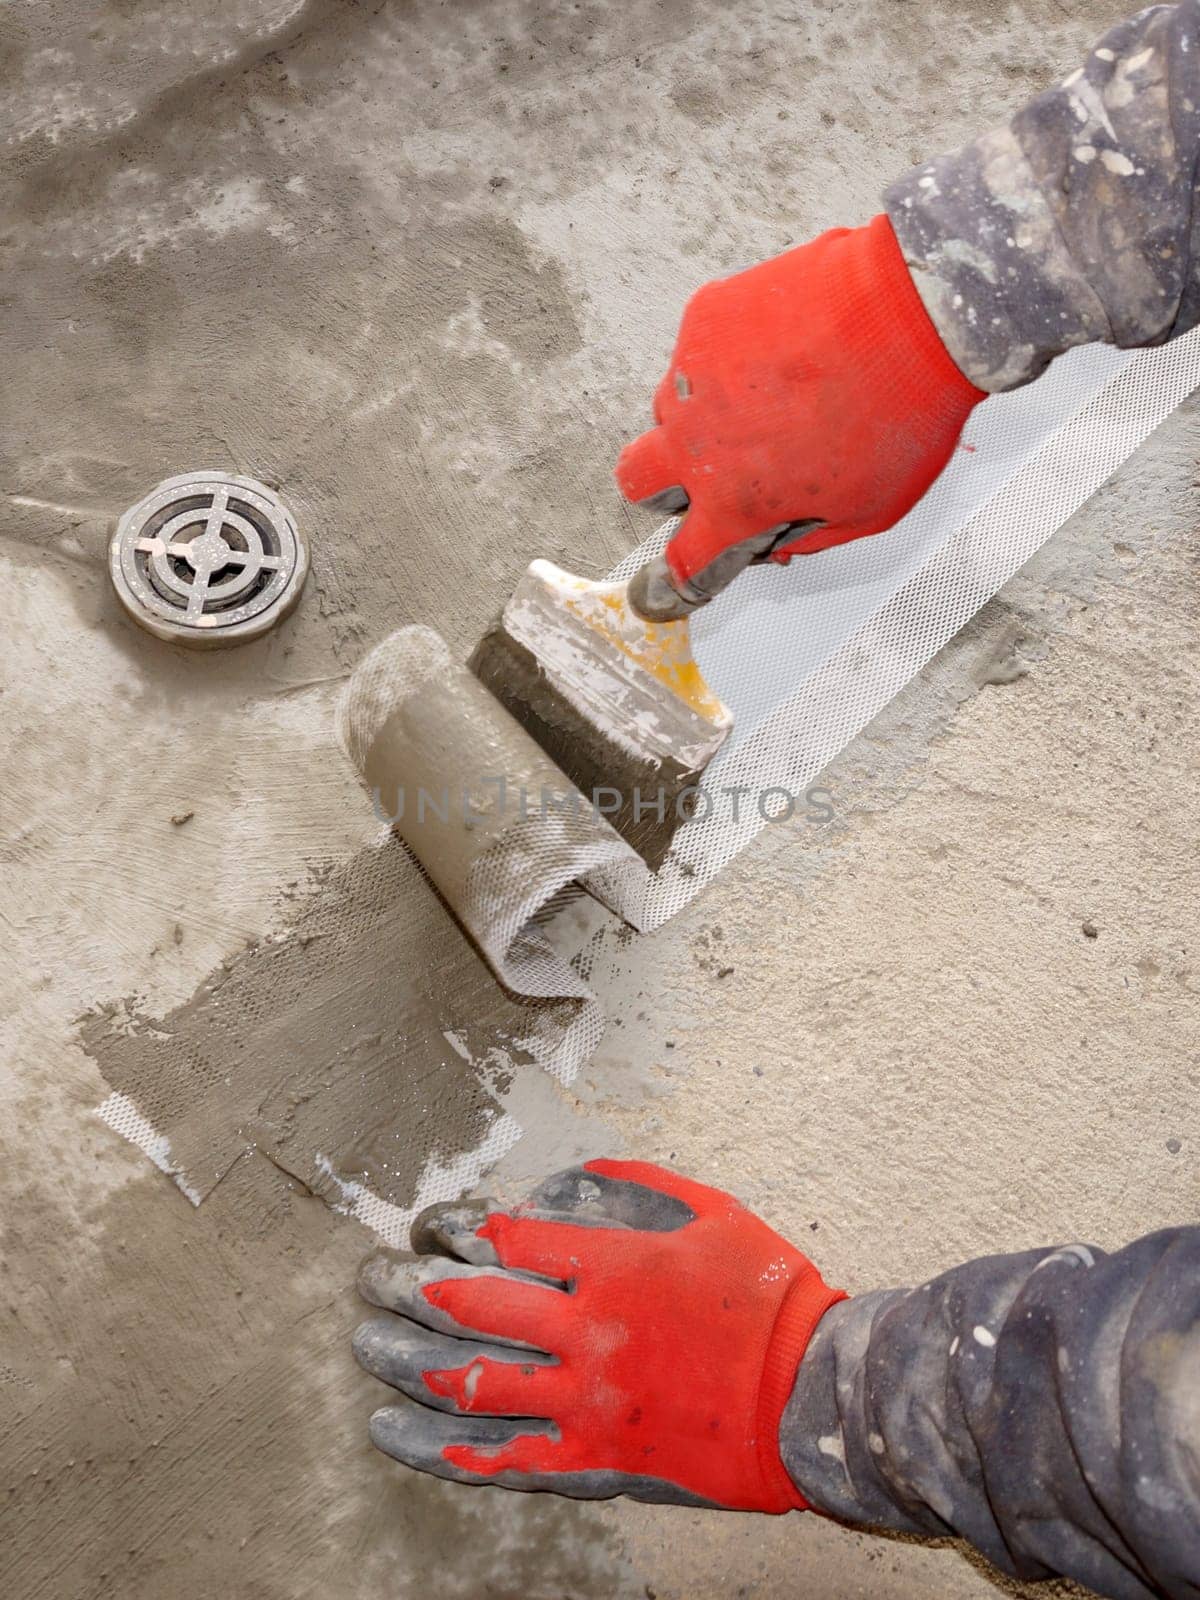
[208,559]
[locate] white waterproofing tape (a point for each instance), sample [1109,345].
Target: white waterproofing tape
[807,655]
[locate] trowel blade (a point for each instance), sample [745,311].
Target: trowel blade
[618,703]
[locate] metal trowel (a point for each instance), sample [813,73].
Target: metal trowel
[616,700]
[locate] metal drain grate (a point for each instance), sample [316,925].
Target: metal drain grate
[208,559]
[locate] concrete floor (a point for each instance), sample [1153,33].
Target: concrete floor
[421,264]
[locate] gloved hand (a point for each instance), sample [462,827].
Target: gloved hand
[813,389]
[624,1331]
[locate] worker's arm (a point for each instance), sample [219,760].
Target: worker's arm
[815,398]
[1044,1406]
[1078,221]
[627,1331]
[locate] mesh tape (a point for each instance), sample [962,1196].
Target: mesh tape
[394,669]
[123,1116]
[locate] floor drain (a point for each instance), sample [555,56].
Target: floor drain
[208,559]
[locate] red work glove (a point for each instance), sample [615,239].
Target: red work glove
[813,389]
[624,1331]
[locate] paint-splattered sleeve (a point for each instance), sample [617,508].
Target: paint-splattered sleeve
[1078,221]
[1044,1406]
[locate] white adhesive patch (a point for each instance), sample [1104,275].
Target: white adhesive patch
[123,1117]
[439,1181]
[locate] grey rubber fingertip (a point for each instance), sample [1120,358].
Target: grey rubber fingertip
[399,1353]
[653,594]
[617,1201]
[451,1228]
[400,1286]
[397,1284]
[573,1189]
[415,1435]
[376,1344]
[668,501]
[377,1276]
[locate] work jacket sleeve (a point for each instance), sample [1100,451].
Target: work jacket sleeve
[1078,221]
[1043,1406]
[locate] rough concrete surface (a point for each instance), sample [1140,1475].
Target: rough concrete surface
[419,264]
